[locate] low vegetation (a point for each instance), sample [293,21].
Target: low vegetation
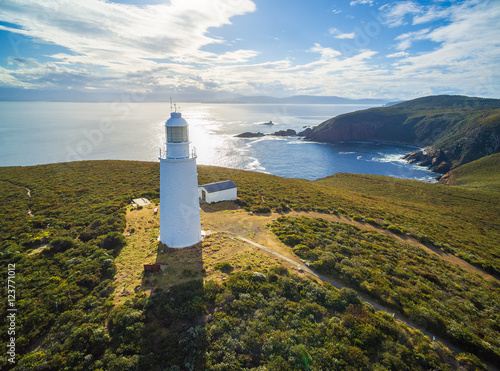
[65,235]
[482,174]
[461,306]
[278,321]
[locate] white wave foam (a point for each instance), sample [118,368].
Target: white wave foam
[255,165]
[265,138]
[389,158]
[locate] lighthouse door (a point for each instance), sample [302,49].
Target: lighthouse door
[203,195]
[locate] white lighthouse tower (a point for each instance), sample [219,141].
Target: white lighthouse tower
[180,224]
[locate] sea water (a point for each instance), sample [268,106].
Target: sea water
[33,133]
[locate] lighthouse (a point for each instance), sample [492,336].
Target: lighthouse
[180,224]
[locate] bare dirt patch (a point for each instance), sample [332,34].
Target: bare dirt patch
[40,249]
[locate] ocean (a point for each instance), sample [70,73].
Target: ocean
[33,133]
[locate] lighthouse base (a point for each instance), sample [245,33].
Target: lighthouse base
[180,223]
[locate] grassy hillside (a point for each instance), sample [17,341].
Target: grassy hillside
[458,220]
[67,317]
[480,174]
[463,129]
[453,303]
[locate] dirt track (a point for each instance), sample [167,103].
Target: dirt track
[253,227]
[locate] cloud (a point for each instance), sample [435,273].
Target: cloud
[398,55]
[350,35]
[394,15]
[431,14]
[363,2]
[467,51]
[107,46]
[22,61]
[326,53]
[104,33]
[407,39]
[339,35]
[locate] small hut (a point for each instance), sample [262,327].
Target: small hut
[220,191]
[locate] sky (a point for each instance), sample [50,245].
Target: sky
[196,49]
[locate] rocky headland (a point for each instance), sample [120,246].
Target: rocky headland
[452,130]
[435,159]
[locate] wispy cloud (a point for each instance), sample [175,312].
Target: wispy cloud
[326,53]
[350,35]
[405,40]
[432,13]
[465,47]
[125,38]
[363,2]
[340,35]
[395,14]
[398,55]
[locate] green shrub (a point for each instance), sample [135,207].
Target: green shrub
[60,244]
[224,266]
[114,241]
[394,229]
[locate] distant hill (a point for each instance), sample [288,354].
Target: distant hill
[456,129]
[33,95]
[297,99]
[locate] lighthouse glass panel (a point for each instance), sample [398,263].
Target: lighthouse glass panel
[177,134]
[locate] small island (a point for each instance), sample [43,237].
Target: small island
[248,134]
[280,133]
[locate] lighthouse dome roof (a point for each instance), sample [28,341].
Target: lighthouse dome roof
[176,120]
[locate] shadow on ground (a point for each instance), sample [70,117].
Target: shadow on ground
[219,206]
[169,325]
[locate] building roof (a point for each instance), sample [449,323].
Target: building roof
[141,201]
[219,186]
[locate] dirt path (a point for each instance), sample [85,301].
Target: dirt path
[450,258]
[28,191]
[242,223]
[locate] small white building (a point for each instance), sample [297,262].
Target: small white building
[220,191]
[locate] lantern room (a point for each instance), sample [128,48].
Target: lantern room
[176,131]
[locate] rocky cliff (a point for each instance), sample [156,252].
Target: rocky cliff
[453,129]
